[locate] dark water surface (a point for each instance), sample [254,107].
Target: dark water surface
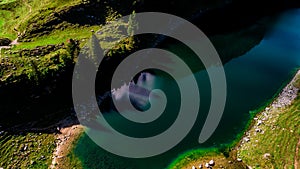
[252,79]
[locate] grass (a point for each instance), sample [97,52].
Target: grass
[36,68]
[57,37]
[192,156]
[279,139]
[30,150]
[19,13]
[200,157]
[15,67]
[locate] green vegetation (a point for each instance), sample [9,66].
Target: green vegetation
[275,146]
[18,14]
[17,65]
[36,68]
[192,155]
[200,157]
[30,150]
[47,47]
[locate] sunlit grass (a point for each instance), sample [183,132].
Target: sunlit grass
[58,37]
[30,150]
[279,139]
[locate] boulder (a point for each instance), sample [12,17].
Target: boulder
[258,130]
[267,156]
[246,139]
[4,41]
[211,162]
[259,122]
[207,165]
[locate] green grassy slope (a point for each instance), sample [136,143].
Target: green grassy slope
[275,146]
[30,150]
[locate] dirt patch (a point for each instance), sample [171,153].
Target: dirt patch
[64,143]
[296,163]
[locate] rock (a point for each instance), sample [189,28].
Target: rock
[200,166]
[207,165]
[211,162]
[239,160]
[258,130]
[229,162]
[246,139]
[259,122]
[193,167]
[4,41]
[267,156]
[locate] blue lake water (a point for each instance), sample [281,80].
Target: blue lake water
[252,79]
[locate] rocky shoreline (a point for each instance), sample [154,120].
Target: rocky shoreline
[267,118]
[65,141]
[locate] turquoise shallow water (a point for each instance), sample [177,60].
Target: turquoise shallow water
[252,79]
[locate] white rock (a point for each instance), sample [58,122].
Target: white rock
[211,162]
[246,139]
[200,166]
[206,165]
[193,167]
[267,156]
[239,160]
[259,122]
